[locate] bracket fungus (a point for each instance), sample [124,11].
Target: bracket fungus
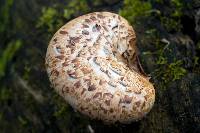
[92,63]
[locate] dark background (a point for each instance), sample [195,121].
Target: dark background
[168,39]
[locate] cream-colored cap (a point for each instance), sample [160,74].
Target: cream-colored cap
[89,63]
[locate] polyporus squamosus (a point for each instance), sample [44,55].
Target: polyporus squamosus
[91,62]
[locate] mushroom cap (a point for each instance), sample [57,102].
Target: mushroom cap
[89,62]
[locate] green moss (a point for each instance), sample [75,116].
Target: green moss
[151,31]
[5,94]
[134,9]
[159,1]
[19,23]
[170,72]
[62,108]
[177,3]
[5,15]
[97,2]
[198,45]
[75,7]
[49,19]
[196,61]
[26,72]
[171,24]
[61,112]
[175,70]
[53,18]
[171,19]
[22,121]
[168,66]
[1,116]
[8,54]
[161,60]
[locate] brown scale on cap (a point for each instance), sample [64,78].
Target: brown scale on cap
[97,95]
[85,26]
[92,88]
[92,62]
[63,32]
[61,57]
[85,32]
[127,99]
